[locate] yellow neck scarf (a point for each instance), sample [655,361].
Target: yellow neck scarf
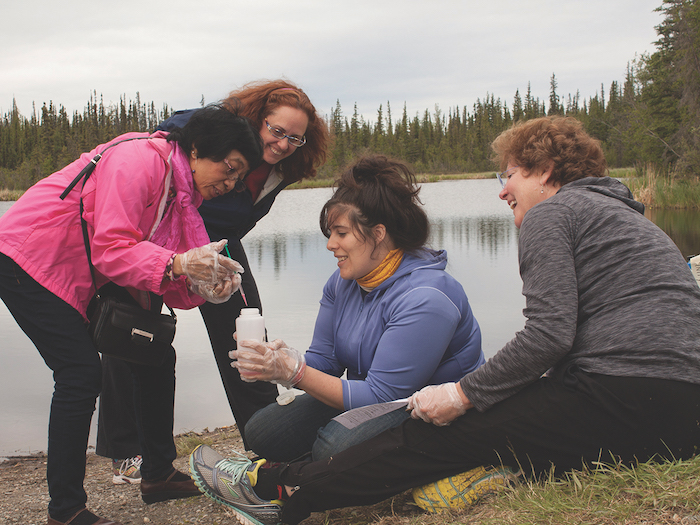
[382,272]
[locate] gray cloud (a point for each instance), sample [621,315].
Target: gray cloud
[445,52]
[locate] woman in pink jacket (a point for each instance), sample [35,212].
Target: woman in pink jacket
[140,206]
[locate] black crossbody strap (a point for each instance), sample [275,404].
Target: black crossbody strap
[87,170]
[87,245]
[85,174]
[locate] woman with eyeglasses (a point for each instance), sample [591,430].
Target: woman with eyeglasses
[295,141]
[144,233]
[606,369]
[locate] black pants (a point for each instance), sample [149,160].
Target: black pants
[562,423]
[60,334]
[245,399]
[116,433]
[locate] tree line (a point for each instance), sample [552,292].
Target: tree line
[32,148]
[652,117]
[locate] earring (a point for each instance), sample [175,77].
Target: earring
[541,188]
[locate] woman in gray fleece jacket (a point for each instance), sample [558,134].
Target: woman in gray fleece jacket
[607,367]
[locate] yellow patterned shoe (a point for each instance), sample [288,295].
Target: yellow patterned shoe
[230,482]
[462,490]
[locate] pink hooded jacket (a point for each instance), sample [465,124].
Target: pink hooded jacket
[123,201]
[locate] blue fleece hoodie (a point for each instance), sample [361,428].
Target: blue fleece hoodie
[413,330]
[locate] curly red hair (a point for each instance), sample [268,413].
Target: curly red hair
[538,143]
[260,98]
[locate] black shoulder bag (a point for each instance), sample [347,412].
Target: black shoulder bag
[119,327]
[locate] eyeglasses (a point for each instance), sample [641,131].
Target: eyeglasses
[279,133]
[232,174]
[503,176]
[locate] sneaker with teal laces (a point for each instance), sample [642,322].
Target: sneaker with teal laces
[230,482]
[463,490]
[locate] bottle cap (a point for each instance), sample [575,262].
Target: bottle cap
[286,397]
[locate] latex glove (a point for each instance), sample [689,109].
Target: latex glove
[204,265]
[438,404]
[272,362]
[216,293]
[245,376]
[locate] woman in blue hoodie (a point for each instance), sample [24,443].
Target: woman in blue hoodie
[391,319]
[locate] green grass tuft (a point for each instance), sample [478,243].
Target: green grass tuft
[652,492]
[187,442]
[10,195]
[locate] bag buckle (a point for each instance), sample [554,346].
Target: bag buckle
[142,333]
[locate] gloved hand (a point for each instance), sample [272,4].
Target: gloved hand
[438,404]
[272,362]
[246,377]
[204,265]
[216,293]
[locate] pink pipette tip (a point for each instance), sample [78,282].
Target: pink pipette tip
[240,289]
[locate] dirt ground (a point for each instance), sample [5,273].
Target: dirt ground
[24,495]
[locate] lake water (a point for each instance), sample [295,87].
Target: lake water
[288,256]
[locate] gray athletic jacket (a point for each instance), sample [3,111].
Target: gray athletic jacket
[605,289]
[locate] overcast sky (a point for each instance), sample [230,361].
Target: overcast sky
[418,52]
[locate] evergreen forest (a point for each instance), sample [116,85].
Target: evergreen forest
[649,118]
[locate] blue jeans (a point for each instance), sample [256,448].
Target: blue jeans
[284,433]
[59,333]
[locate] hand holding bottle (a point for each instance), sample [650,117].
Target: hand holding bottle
[273,362]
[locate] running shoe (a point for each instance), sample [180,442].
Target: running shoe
[462,490]
[230,482]
[126,471]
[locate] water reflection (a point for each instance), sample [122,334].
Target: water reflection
[278,251]
[683,226]
[490,235]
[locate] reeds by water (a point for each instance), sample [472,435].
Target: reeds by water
[657,189]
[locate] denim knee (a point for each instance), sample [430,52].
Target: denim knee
[331,439]
[285,433]
[324,448]
[255,429]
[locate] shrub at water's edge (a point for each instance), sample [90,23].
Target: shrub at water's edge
[10,195]
[664,190]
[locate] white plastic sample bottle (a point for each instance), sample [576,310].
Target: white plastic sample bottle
[250,325]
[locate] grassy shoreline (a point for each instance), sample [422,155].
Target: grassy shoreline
[664,492]
[649,493]
[649,187]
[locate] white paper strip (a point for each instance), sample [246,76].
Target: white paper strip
[357,416]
